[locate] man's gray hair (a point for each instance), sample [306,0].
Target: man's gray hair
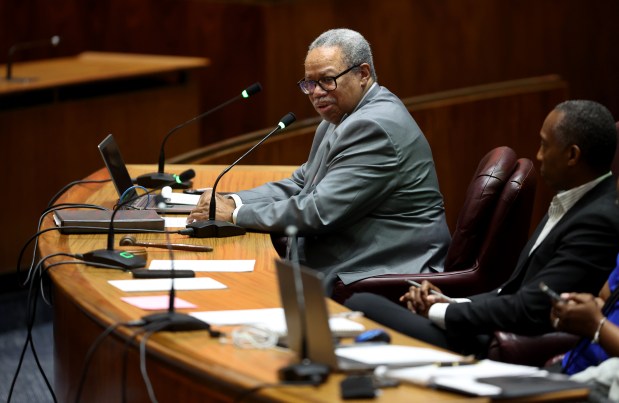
[591,127]
[355,48]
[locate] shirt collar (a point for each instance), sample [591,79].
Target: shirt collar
[565,200]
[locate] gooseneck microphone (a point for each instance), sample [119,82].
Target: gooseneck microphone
[121,258]
[53,41]
[213,228]
[160,178]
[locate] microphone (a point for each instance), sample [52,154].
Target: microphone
[212,228]
[306,371]
[53,41]
[124,259]
[172,320]
[159,178]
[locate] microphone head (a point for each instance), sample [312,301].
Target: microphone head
[287,120]
[186,175]
[291,231]
[251,90]
[55,40]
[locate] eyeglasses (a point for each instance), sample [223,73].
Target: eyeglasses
[326,83]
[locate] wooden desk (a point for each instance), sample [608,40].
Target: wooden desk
[51,125]
[186,366]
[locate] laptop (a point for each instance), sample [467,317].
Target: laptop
[307,317]
[303,296]
[122,181]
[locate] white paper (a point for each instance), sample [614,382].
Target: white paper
[228,266]
[175,221]
[272,319]
[428,374]
[392,354]
[180,198]
[164,284]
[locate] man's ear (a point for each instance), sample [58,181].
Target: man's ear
[573,154]
[364,68]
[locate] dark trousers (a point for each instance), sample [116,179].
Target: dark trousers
[396,317]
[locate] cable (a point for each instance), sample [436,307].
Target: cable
[123,379]
[30,318]
[152,329]
[70,185]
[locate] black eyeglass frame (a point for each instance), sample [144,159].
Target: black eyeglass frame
[303,82]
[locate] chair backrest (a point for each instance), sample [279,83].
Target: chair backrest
[493,171]
[492,228]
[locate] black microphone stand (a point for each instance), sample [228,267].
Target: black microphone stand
[124,259]
[213,228]
[53,41]
[306,371]
[160,178]
[172,320]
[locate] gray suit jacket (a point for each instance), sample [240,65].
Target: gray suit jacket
[366,202]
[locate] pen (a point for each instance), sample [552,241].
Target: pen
[438,294]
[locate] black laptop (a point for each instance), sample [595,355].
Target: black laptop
[124,185]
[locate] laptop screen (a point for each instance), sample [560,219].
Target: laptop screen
[307,316]
[116,166]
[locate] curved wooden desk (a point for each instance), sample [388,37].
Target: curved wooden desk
[184,366]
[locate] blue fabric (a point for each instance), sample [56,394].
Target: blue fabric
[587,354]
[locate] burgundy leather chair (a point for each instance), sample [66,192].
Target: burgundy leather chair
[536,351]
[491,230]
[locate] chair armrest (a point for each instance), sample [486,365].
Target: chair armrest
[529,350]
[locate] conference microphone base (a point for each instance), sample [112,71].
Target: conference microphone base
[120,258]
[157,180]
[175,322]
[215,229]
[307,372]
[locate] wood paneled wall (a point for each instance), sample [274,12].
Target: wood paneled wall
[420,46]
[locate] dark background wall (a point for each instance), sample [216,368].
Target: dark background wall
[420,46]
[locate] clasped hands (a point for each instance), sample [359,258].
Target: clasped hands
[577,313]
[419,299]
[224,208]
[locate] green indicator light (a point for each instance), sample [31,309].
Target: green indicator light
[126,255]
[177,179]
[281,125]
[245,94]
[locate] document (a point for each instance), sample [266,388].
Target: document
[393,354]
[485,378]
[228,266]
[164,284]
[274,320]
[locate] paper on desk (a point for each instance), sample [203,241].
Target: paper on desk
[393,354]
[157,302]
[180,198]
[175,221]
[164,284]
[228,266]
[466,374]
[272,319]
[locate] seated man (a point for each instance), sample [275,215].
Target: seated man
[573,248]
[367,200]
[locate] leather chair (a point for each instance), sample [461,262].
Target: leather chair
[530,350]
[491,230]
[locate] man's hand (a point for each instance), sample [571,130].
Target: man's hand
[223,212]
[419,300]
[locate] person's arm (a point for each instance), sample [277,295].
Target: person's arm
[361,172]
[581,314]
[576,256]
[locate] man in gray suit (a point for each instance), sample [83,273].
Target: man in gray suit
[367,201]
